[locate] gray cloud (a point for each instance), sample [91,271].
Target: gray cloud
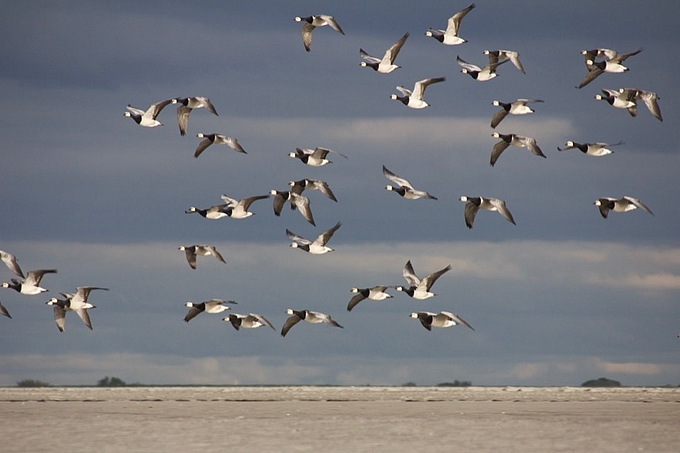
[559,298]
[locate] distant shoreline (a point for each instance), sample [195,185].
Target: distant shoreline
[339,419]
[400,386]
[263,393]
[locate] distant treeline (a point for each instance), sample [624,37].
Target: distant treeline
[601,382]
[32,383]
[455,383]
[104,382]
[113,381]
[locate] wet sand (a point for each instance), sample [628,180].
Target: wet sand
[340,419]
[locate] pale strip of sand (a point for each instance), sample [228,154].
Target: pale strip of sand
[340,419]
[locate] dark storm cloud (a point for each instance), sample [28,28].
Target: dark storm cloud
[559,298]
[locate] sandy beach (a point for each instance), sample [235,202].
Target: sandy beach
[340,419]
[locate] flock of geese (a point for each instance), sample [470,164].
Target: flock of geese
[597,62]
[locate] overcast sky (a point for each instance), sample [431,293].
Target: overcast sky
[561,297]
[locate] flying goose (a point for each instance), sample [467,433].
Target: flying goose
[626,98]
[250,321]
[312,317]
[191,251]
[312,184]
[514,140]
[420,289]
[238,209]
[474,204]
[620,99]
[297,201]
[441,319]
[217,139]
[484,74]
[384,65]
[599,53]
[186,105]
[375,293]
[404,188]
[414,99]
[59,310]
[591,149]
[11,263]
[501,54]
[612,63]
[623,204]
[212,306]
[212,213]
[61,306]
[450,36]
[311,22]
[518,107]
[31,285]
[77,302]
[316,157]
[146,118]
[316,247]
[4,312]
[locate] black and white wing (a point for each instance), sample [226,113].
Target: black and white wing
[290,322]
[34,277]
[322,186]
[190,254]
[183,118]
[453,24]
[85,316]
[216,254]
[593,73]
[650,99]
[324,237]
[393,51]
[4,312]
[295,238]
[323,152]
[410,275]
[205,102]
[155,109]
[498,117]
[428,281]
[457,319]
[369,58]
[498,149]
[468,66]
[59,316]
[530,144]
[470,213]
[399,181]
[202,146]
[421,85]
[11,262]
[638,204]
[262,320]
[502,209]
[302,204]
